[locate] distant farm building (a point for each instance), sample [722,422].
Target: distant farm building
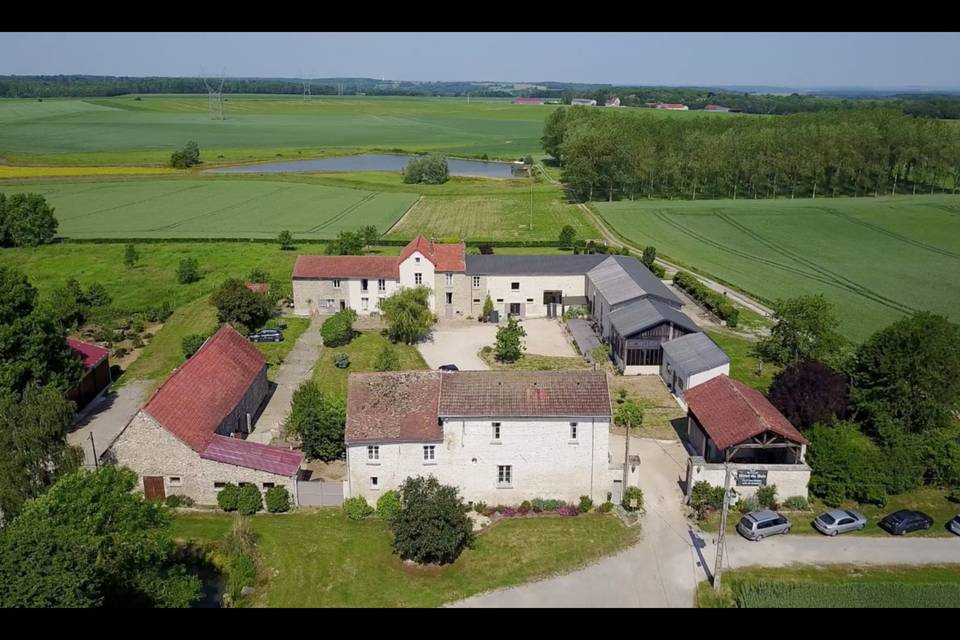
[529,100]
[716,107]
[583,102]
[553,101]
[672,106]
[96,372]
[613,102]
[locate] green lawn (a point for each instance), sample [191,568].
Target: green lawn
[874,258]
[363,352]
[537,362]
[930,500]
[319,558]
[743,366]
[170,208]
[835,586]
[123,130]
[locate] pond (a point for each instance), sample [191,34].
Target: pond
[373,162]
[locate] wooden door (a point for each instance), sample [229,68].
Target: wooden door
[153,488]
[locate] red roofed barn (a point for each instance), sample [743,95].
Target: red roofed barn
[96,372]
[189,437]
[728,421]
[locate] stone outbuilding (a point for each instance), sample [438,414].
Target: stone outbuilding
[189,437]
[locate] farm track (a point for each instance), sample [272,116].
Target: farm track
[342,214]
[399,221]
[128,204]
[890,234]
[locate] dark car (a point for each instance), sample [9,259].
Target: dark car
[267,335]
[905,521]
[449,367]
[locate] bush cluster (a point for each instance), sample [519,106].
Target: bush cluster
[629,496]
[337,330]
[712,300]
[388,506]
[429,169]
[705,498]
[278,500]
[357,508]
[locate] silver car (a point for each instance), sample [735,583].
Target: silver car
[955,525]
[839,521]
[757,525]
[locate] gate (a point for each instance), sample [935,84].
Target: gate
[320,493]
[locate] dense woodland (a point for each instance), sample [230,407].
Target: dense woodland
[609,153]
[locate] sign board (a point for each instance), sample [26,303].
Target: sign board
[751,477]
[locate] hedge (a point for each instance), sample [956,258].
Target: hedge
[717,303]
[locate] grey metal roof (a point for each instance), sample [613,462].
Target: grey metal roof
[533,264]
[623,278]
[645,313]
[694,353]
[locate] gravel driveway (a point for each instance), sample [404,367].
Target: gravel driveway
[459,341]
[107,419]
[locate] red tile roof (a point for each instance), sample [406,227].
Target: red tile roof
[445,257]
[731,412]
[92,354]
[196,398]
[525,394]
[393,407]
[346,267]
[253,455]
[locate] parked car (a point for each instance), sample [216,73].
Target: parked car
[267,335]
[839,521]
[905,521]
[954,525]
[449,367]
[758,525]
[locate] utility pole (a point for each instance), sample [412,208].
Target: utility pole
[93,446]
[722,536]
[531,199]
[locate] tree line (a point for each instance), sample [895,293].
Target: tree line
[608,153]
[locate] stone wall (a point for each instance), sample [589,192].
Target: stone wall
[150,450]
[791,479]
[545,461]
[459,287]
[311,296]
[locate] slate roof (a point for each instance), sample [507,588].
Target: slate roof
[195,399]
[393,407]
[694,353]
[638,315]
[732,412]
[445,257]
[524,394]
[92,354]
[623,278]
[495,265]
[253,455]
[346,267]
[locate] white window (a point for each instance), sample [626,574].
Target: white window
[418,278]
[504,475]
[573,430]
[364,304]
[374,482]
[381,285]
[175,481]
[496,430]
[336,284]
[373,453]
[449,279]
[429,453]
[476,282]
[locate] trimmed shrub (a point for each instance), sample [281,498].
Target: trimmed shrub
[796,503]
[249,500]
[705,498]
[586,503]
[629,496]
[388,506]
[432,526]
[539,504]
[175,501]
[606,507]
[357,508]
[767,496]
[713,301]
[229,497]
[337,330]
[569,510]
[278,500]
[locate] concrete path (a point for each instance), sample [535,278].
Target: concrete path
[107,418]
[295,370]
[661,570]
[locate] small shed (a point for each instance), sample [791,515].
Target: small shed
[691,360]
[96,372]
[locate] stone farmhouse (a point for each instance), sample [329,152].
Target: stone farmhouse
[189,437]
[728,421]
[502,437]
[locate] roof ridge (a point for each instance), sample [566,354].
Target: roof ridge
[747,400]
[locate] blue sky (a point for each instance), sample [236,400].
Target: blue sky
[780,59]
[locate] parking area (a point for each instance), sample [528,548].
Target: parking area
[459,342]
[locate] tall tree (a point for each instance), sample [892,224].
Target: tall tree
[809,392]
[407,314]
[509,346]
[236,303]
[27,220]
[805,329]
[628,415]
[318,421]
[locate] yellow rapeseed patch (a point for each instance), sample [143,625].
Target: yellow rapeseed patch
[55,172]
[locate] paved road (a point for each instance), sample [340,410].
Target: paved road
[107,419]
[295,370]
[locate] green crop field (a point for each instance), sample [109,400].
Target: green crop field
[124,130]
[212,208]
[876,259]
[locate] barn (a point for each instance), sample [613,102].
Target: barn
[96,373]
